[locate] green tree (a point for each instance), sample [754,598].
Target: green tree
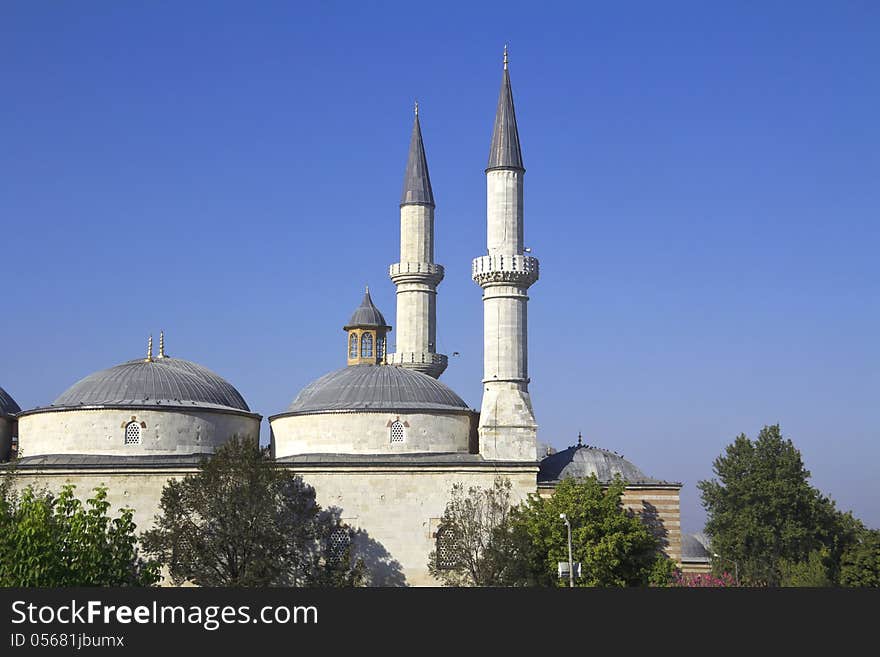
[813,571]
[860,562]
[763,514]
[52,541]
[613,545]
[476,524]
[242,521]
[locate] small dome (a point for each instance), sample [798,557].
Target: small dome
[582,461]
[366,315]
[375,388]
[157,382]
[7,404]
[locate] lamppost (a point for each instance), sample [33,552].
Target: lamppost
[570,560]
[735,566]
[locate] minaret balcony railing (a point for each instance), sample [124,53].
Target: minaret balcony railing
[520,270]
[420,272]
[428,363]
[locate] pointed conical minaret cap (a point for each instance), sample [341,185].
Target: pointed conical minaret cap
[505,151]
[416,181]
[367,315]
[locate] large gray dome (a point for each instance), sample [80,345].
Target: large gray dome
[7,404]
[375,388]
[582,461]
[157,382]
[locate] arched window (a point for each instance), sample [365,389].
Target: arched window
[398,432]
[380,347]
[353,345]
[340,540]
[132,433]
[445,548]
[367,345]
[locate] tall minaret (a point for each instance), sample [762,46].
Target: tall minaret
[508,430]
[416,275]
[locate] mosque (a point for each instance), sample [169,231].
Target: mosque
[382,438]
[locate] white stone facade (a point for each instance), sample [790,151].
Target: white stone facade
[371,433]
[400,508]
[103,431]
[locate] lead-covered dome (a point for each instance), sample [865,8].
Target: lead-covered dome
[8,407]
[153,383]
[582,461]
[375,388]
[367,315]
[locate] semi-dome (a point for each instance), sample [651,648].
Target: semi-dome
[7,404]
[582,461]
[153,382]
[375,388]
[366,315]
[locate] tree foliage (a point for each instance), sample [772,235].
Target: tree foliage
[613,545]
[763,514]
[242,521]
[477,526]
[497,544]
[52,540]
[860,562]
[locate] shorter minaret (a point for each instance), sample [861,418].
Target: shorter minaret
[416,275]
[367,332]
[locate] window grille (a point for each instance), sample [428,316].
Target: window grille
[340,540]
[132,433]
[445,549]
[398,433]
[367,345]
[353,346]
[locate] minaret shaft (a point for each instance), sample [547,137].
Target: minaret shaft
[417,275]
[504,195]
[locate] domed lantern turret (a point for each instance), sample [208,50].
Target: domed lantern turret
[366,330]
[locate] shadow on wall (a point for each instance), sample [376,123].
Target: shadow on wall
[382,569]
[651,517]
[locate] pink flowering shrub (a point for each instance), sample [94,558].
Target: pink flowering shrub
[698,580]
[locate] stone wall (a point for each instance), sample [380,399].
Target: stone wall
[399,509]
[139,490]
[370,433]
[102,431]
[657,506]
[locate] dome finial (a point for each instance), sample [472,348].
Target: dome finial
[416,108]
[149,357]
[580,440]
[367,289]
[505,56]
[162,344]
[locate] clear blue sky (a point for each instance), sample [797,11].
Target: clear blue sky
[702,189]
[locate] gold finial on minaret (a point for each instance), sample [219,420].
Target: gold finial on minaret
[149,357]
[580,440]
[505,56]
[162,344]
[416,108]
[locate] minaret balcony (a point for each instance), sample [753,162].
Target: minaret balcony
[509,269]
[431,364]
[416,272]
